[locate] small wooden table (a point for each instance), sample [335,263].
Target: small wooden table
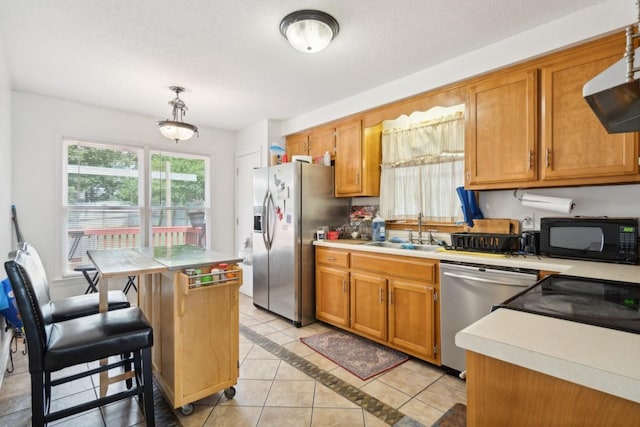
[112,263]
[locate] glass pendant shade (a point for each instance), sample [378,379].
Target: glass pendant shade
[309,31]
[177,129]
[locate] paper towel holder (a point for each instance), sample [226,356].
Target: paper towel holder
[559,200]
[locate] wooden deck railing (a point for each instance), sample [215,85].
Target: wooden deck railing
[128,237]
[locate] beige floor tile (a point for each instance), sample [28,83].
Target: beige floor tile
[423,368]
[371,420]
[326,398]
[280,338]
[262,329]
[16,419]
[259,369]
[285,417]
[72,399]
[442,395]
[305,331]
[405,380]
[323,417]
[280,324]
[291,393]
[211,400]
[258,352]
[417,410]
[234,416]
[288,372]
[265,316]
[349,378]
[245,347]
[249,393]
[91,418]
[299,348]
[15,394]
[321,362]
[386,394]
[453,382]
[197,418]
[249,321]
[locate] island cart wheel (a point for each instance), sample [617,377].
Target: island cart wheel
[230,392]
[187,409]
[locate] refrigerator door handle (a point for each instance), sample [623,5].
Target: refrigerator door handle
[264,227]
[271,219]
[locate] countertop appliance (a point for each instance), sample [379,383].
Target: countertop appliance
[590,238]
[605,303]
[467,293]
[290,202]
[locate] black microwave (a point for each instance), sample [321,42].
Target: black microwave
[590,238]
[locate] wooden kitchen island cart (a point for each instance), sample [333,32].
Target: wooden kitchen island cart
[192,305]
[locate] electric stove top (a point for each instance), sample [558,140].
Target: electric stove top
[598,302]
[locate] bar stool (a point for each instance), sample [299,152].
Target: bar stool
[92,281]
[54,346]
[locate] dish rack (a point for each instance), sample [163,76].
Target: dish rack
[485,242]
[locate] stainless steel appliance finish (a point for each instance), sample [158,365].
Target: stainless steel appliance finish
[290,202]
[468,291]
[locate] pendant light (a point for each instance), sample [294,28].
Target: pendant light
[177,129]
[309,31]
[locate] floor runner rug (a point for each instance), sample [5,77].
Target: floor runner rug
[361,357]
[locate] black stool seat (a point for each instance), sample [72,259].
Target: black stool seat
[96,337]
[84,305]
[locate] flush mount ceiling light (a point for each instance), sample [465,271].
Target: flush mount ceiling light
[176,129]
[309,31]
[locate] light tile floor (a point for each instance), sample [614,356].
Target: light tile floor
[270,391]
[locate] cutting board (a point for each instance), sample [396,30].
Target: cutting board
[495,225]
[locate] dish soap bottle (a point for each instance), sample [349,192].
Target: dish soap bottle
[377,226]
[326,159]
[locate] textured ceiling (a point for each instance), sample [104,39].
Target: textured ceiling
[230,55]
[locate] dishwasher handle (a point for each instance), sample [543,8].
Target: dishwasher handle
[483,280]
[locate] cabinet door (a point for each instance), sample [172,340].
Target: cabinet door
[297,145]
[348,164]
[574,142]
[320,141]
[412,317]
[332,295]
[501,133]
[369,305]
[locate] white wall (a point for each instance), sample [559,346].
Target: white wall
[39,123]
[6,237]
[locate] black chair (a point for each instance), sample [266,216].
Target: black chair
[54,346]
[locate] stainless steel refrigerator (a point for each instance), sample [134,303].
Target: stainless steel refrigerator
[291,202]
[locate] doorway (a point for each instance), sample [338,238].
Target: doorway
[245,163]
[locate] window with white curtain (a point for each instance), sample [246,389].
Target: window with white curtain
[422,164]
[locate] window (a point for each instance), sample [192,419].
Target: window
[105,206]
[422,164]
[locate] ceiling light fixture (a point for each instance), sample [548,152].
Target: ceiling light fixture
[309,31]
[176,129]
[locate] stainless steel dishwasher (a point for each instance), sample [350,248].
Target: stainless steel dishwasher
[467,292]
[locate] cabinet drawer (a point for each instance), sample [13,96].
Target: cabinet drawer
[334,257]
[421,269]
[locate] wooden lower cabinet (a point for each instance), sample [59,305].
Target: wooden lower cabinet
[369,305]
[503,394]
[388,299]
[196,336]
[332,298]
[412,326]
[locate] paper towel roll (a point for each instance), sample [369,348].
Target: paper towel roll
[555,204]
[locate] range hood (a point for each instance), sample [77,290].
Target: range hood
[614,94]
[615,101]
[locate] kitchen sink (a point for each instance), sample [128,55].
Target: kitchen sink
[405,246]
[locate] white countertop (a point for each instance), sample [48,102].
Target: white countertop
[599,358]
[596,270]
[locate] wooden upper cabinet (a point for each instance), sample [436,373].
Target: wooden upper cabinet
[297,144]
[357,164]
[322,140]
[501,132]
[574,143]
